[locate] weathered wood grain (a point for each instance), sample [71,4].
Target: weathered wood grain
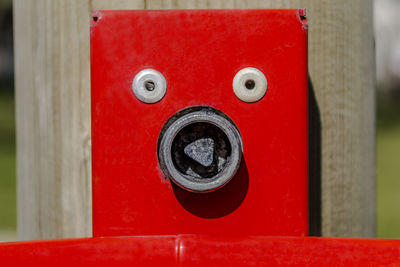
[53,112]
[52,84]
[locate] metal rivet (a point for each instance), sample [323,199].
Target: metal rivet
[250,85]
[149,86]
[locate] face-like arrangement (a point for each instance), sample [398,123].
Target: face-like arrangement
[200,148]
[199,122]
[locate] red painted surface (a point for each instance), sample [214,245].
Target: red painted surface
[199,53]
[202,251]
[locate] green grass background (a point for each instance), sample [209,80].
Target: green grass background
[7,164]
[388,166]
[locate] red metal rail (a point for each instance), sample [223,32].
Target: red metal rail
[187,250]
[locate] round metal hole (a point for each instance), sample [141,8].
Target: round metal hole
[250,85]
[149,86]
[200,151]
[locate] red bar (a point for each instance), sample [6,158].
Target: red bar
[88,252]
[190,250]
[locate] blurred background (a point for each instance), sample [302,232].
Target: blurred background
[7,126]
[387,35]
[387,40]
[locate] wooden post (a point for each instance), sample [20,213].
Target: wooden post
[53,112]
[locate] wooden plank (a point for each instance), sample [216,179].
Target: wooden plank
[53,116]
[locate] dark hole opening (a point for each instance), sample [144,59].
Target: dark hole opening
[149,85]
[199,131]
[250,84]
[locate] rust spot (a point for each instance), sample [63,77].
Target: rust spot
[96,15]
[303,18]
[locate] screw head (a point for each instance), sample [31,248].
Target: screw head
[149,86]
[250,85]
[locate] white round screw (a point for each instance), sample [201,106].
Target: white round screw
[149,86]
[250,85]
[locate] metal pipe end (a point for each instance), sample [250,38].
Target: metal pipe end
[200,149]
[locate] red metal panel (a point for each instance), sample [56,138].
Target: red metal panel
[199,53]
[202,251]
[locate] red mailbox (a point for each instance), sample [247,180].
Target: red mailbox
[200,152]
